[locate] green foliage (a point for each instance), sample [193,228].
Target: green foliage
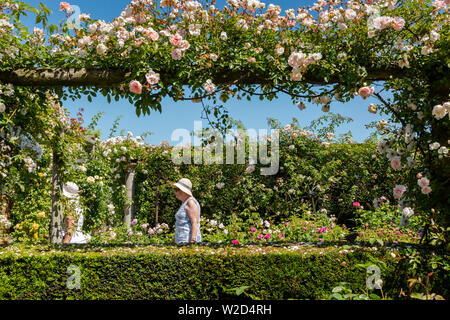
[194,272]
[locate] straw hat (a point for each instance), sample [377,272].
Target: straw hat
[70,190]
[184,185]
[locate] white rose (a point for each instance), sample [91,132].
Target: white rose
[439,111]
[101,49]
[2,107]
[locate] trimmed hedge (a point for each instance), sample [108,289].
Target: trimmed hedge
[197,272]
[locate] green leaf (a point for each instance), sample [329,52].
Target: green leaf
[240,290]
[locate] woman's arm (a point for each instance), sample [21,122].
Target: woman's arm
[192,212]
[69,232]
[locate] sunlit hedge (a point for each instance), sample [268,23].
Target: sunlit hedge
[298,272]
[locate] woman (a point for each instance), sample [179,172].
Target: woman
[74,224]
[187,225]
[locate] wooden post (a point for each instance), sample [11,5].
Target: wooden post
[129,209]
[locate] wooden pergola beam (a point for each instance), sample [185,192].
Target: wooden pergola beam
[72,77]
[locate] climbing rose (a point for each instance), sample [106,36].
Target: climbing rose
[176,39]
[102,49]
[177,54]
[152,77]
[398,191]
[426,190]
[398,23]
[63,6]
[439,111]
[209,86]
[366,92]
[396,163]
[136,87]
[423,182]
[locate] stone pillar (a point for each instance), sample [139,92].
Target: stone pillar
[129,209]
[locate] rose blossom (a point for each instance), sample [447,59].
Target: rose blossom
[63,6]
[373,108]
[423,182]
[209,86]
[176,39]
[398,191]
[136,87]
[102,49]
[152,77]
[177,54]
[396,163]
[426,190]
[439,111]
[235,242]
[366,92]
[398,23]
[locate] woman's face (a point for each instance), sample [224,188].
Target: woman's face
[178,194]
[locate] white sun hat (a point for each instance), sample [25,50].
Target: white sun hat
[70,190]
[184,185]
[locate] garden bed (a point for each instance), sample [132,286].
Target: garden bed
[284,271]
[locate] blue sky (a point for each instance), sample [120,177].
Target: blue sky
[176,115]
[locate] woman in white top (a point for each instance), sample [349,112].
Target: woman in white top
[74,234]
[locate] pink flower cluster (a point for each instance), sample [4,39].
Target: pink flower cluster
[384,22]
[424,184]
[366,92]
[324,229]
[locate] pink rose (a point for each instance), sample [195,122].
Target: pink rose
[63,6]
[440,5]
[320,239]
[176,39]
[423,182]
[281,235]
[253,229]
[419,175]
[267,236]
[134,222]
[136,87]
[235,242]
[286,224]
[260,237]
[381,23]
[426,190]
[356,204]
[152,77]
[398,191]
[184,45]
[396,163]
[366,92]
[398,23]
[209,86]
[152,34]
[177,54]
